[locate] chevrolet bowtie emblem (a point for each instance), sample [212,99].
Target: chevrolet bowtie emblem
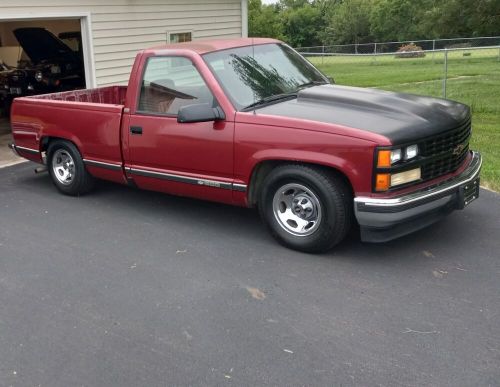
[458,149]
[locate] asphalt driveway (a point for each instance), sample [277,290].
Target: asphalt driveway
[132,288]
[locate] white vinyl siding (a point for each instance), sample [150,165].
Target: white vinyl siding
[120,28]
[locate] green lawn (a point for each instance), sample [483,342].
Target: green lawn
[473,79]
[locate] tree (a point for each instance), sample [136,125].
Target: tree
[264,20]
[348,22]
[315,22]
[399,19]
[300,26]
[457,18]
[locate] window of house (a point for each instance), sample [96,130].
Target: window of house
[170,83]
[180,37]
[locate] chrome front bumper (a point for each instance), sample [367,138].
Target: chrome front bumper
[385,219]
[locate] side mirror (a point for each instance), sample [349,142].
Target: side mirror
[201,112]
[332,80]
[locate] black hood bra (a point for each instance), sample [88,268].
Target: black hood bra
[400,117]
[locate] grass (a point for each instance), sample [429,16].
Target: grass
[473,79]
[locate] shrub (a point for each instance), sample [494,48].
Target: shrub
[410,50]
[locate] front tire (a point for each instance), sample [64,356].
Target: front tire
[67,170]
[306,208]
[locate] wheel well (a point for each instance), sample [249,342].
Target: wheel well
[263,169]
[44,143]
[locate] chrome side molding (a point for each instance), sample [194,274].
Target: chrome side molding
[187,179]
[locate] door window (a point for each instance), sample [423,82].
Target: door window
[170,83]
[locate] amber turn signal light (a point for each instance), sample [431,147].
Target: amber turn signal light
[384,159]
[382,181]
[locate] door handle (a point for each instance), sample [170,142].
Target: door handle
[136,129]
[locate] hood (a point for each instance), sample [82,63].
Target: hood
[40,44]
[399,117]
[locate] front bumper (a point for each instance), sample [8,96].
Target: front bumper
[382,220]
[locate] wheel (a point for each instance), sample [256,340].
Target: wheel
[67,170]
[306,208]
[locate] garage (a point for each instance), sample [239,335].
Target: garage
[40,56]
[58,45]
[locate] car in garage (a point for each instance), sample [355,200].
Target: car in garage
[52,66]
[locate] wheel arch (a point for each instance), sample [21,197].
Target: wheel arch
[262,169]
[47,138]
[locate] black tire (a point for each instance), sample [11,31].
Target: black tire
[321,187]
[81,181]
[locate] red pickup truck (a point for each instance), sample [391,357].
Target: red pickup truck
[249,122]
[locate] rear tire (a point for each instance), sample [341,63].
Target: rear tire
[67,170]
[306,208]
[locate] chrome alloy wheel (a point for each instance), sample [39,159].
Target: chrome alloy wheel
[297,209]
[63,166]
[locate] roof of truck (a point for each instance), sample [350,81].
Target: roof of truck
[205,46]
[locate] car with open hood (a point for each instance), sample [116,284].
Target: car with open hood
[52,66]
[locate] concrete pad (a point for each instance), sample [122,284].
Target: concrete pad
[7,157]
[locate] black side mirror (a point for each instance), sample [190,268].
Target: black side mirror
[201,112]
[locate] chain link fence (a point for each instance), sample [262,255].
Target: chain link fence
[438,72]
[389,47]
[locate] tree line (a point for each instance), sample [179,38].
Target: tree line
[303,23]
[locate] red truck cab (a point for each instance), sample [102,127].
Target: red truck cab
[249,122]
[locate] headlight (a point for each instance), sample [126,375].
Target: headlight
[389,159]
[55,69]
[38,76]
[411,152]
[405,177]
[386,158]
[395,155]
[384,181]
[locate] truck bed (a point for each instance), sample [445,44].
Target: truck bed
[89,118]
[110,95]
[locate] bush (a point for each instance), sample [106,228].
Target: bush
[410,50]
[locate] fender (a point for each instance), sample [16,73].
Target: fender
[346,167]
[351,156]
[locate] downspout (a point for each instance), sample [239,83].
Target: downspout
[244,18]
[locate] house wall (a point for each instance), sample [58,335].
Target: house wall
[120,28]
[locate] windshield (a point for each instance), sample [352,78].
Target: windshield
[254,73]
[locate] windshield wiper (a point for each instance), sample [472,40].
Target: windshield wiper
[312,83]
[271,98]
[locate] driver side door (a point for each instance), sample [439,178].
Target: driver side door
[187,159]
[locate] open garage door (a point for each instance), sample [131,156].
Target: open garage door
[41,56]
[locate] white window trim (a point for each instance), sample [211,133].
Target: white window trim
[181,31]
[86,31]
